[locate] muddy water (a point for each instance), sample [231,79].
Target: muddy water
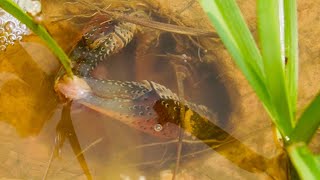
[30,110]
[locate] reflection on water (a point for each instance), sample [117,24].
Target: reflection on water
[104,146]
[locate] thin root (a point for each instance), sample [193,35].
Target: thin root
[80,153]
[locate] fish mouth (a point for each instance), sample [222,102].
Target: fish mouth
[72,88]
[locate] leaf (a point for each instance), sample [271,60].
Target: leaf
[308,164]
[291,51]
[269,36]
[308,123]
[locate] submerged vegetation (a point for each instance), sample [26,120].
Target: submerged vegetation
[272,74]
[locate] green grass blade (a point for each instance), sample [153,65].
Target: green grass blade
[18,13]
[228,21]
[308,123]
[269,36]
[306,164]
[291,50]
[231,27]
[238,40]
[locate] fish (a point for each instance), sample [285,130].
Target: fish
[146,106]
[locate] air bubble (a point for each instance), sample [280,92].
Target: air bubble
[33,8]
[1,30]
[3,40]
[2,47]
[19,33]
[157,127]
[286,138]
[9,26]
[12,37]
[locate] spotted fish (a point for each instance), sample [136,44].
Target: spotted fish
[146,106]
[130,102]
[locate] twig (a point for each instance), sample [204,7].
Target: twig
[154,24]
[163,160]
[159,162]
[80,153]
[70,16]
[190,3]
[180,78]
[49,164]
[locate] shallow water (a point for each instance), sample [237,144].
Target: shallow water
[31,111]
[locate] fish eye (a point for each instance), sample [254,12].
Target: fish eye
[157,127]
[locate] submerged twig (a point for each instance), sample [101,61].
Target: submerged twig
[190,3]
[81,153]
[154,24]
[159,162]
[180,78]
[69,17]
[49,164]
[164,160]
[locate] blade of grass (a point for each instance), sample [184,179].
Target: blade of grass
[231,27]
[291,51]
[308,123]
[307,165]
[269,36]
[238,40]
[38,29]
[227,19]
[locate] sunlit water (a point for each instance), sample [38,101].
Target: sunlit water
[30,112]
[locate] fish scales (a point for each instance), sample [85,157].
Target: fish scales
[99,43]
